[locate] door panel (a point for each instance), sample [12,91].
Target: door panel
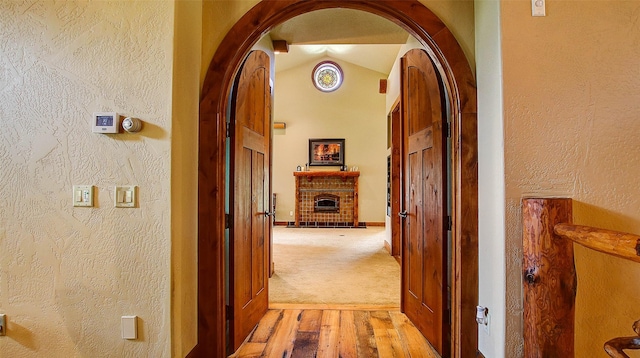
[424,275]
[396,176]
[250,229]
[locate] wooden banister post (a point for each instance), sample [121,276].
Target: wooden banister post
[549,280]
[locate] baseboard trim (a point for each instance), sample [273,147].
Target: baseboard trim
[375,223]
[193,353]
[387,246]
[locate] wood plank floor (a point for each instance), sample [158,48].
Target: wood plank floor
[315,333]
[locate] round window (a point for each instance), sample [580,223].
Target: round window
[327,76]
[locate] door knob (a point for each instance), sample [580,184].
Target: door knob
[403,214]
[268,213]
[531,275]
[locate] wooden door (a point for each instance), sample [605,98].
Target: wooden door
[250,228]
[425,223]
[396,178]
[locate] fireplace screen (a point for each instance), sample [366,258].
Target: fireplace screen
[326,203]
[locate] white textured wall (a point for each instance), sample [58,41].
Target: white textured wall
[572,128]
[355,112]
[68,274]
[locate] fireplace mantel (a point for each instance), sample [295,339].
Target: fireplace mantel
[324,174]
[340,184]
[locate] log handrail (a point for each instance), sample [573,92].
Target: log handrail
[615,347]
[549,272]
[615,243]
[623,245]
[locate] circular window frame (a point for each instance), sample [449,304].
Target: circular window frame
[332,65]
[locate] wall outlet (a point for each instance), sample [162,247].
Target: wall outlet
[290,213]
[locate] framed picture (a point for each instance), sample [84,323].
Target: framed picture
[327,152]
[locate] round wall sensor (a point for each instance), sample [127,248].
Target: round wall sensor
[131,124]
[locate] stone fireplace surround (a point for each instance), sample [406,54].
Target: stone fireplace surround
[311,185]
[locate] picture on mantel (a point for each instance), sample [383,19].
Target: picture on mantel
[326,152]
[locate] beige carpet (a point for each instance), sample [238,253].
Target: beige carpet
[333,266]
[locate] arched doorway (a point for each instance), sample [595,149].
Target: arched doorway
[450,61]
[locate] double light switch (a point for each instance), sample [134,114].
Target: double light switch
[125,196]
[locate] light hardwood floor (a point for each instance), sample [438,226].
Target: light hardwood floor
[302,333]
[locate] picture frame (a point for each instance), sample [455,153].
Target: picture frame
[326,152]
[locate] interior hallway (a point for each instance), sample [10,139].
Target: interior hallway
[333,333]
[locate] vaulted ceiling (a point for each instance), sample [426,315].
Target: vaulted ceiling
[353,36]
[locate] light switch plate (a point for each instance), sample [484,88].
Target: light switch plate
[125,196]
[83,195]
[3,325]
[538,8]
[129,327]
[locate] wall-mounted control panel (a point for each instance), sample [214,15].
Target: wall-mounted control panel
[105,122]
[83,195]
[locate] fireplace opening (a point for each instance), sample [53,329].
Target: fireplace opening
[326,203]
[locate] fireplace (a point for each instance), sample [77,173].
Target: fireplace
[326,203]
[326,199]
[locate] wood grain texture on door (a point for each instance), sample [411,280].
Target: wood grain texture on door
[249,200]
[424,229]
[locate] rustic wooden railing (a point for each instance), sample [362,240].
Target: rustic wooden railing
[550,276]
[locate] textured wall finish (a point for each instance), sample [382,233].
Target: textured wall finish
[68,274]
[572,128]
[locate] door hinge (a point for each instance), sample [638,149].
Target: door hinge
[449,223]
[226,221]
[228,131]
[448,129]
[229,312]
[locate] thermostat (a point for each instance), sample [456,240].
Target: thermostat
[105,122]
